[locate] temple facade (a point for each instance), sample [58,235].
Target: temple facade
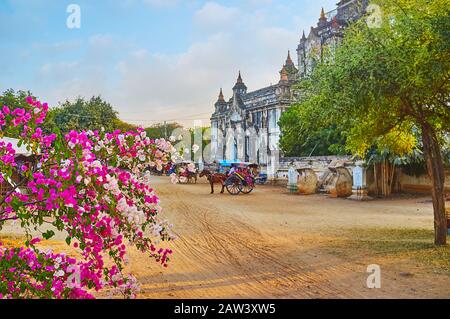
[245,127]
[328,33]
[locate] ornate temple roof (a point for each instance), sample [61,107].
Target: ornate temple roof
[239,83]
[221,98]
[329,26]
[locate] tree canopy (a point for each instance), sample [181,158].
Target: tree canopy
[384,85]
[162,130]
[81,114]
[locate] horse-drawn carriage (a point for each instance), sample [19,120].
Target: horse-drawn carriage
[241,178]
[186,172]
[236,177]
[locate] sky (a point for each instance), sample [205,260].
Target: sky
[153,60]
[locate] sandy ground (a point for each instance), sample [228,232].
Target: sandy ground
[271,244]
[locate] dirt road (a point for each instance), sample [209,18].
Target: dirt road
[270,244]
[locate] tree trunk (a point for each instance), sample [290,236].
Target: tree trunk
[375,173]
[436,172]
[391,181]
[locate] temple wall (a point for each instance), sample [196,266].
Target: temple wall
[402,183]
[420,184]
[318,163]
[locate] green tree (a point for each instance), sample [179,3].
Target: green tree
[84,114]
[123,126]
[300,140]
[79,115]
[17,99]
[383,84]
[162,130]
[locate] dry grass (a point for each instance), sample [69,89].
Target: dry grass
[12,241]
[414,244]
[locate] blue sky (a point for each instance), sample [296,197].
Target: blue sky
[152,59]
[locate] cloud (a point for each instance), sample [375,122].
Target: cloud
[178,86]
[58,47]
[213,16]
[101,40]
[174,86]
[150,86]
[146,85]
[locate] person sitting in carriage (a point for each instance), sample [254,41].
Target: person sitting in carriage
[241,170]
[232,170]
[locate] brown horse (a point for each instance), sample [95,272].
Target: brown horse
[214,178]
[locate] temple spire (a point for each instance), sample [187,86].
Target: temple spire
[303,36]
[239,79]
[289,60]
[240,87]
[323,19]
[221,97]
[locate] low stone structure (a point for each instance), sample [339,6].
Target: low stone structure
[307,181]
[325,168]
[360,190]
[319,164]
[292,180]
[342,182]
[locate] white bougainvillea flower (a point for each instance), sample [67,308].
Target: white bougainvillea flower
[191,167]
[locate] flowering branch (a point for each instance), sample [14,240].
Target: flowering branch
[88,185]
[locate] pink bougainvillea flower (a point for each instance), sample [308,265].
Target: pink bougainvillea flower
[91,187]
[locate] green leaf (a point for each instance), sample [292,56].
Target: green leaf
[48,234]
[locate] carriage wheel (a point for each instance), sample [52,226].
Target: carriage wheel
[248,185]
[234,185]
[246,189]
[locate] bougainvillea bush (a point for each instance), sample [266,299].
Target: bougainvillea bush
[92,188]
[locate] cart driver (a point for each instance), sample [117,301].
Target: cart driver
[232,170]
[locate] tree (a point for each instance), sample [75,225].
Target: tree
[78,115]
[301,142]
[313,135]
[90,187]
[383,84]
[85,115]
[123,126]
[162,130]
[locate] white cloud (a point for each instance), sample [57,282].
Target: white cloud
[148,86]
[100,40]
[213,16]
[177,86]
